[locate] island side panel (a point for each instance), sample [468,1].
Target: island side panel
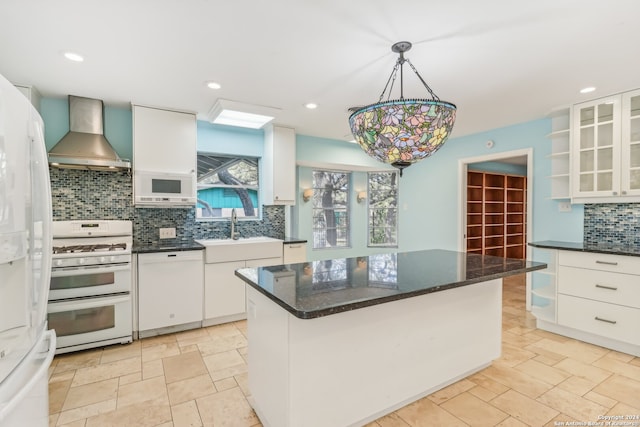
[353,367]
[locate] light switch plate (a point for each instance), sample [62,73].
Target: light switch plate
[564,206]
[167,233]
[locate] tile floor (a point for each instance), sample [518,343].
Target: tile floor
[199,378]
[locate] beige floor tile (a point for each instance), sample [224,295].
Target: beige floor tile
[232,371]
[226,329]
[79,423]
[188,348]
[623,357]
[573,405]
[450,391]
[109,370]
[221,344]
[131,378]
[81,359]
[577,385]
[186,414]
[474,411]
[152,369]
[605,401]
[391,420]
[562,420]
[142,391]
[53,420]
[242,326]
[524,408]
[226,408]
[160,351]
[225,365]
[486,382]
[121,351]
[57,394]
[550,335]
[543,372]
[145,414]
[635,361]
[91,393]
[183,366]
[191,389]
[619,367]
[512,356]
[158,340]
[226,384]
[624,409]
[425,413]
[87,411]
[516,380]
[622,389]
[192,337]
[582,370]
[580,351]
[64,376]
[482,393]
[243,382]
[548,360]
[511,422]
[519,340]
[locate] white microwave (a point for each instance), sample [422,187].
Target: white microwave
[157,189]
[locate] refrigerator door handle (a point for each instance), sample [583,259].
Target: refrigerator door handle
[42,370]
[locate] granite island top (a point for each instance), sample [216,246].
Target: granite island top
[314,289]
[189,245]
[601,248]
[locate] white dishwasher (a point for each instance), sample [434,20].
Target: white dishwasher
[170,289]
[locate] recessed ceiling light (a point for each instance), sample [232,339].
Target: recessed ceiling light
[587,89]
[213,85]
[311,106]
[72,56]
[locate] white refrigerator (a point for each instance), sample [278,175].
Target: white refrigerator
[26,346]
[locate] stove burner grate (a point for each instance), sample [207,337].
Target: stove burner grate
[89,248]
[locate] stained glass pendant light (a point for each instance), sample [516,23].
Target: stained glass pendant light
[402,131]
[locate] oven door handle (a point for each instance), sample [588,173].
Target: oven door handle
[83,303]
[88,269]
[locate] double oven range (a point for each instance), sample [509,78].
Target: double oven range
[90,293]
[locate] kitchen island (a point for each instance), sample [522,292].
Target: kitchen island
[342,342]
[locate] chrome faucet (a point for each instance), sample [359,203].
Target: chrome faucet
[234,221]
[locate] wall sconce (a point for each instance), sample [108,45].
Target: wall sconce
[362,196]
[307,194]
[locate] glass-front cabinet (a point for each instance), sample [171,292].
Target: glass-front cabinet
[631,143]
[596,146]
[606,149]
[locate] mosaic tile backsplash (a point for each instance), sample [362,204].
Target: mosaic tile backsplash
[612,223]
[81,194]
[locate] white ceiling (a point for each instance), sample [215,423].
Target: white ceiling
[501,61]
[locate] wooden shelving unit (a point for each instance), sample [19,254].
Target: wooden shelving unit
[496,214]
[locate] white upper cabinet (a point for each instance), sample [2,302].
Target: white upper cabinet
[164,140]
[279,166]
[606,150]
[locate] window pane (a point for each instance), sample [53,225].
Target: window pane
[330,209]
[226,183]
[383,209]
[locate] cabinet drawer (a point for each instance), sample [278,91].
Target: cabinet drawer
[616,288]
[609,320]
[604,262]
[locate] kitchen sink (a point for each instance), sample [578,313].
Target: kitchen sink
[225,250]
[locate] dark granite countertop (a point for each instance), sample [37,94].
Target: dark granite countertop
[314,289]
[167,247]
[588,247]
[290,239]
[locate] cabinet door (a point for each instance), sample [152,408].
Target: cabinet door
[294,253]
[279,166]
[224,292]
[169,289]
[163,140]
[596,148]
[630,159]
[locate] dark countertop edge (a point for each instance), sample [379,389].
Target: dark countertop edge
[313,314]
[177,248]
[290,239]
[581,247]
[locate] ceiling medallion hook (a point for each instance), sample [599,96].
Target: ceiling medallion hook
[403,131]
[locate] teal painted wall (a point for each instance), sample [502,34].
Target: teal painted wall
[428,190]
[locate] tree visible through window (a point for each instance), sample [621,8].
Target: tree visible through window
[225,183]
[330,209]
[383,208]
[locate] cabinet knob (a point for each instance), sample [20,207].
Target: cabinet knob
[615,193]
[624,192]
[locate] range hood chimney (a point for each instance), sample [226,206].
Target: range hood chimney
[84,146]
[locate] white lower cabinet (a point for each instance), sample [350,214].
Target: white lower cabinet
[225,293]
[598,300]
[170,287]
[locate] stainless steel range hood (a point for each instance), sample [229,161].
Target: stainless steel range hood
[85,146]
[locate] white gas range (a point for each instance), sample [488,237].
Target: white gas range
[90,293]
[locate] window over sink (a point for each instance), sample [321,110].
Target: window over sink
[226,183]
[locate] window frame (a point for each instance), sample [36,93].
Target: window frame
[347,209]
[232,160]
[371,208]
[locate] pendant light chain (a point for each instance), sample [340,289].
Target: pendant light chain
[433,95]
